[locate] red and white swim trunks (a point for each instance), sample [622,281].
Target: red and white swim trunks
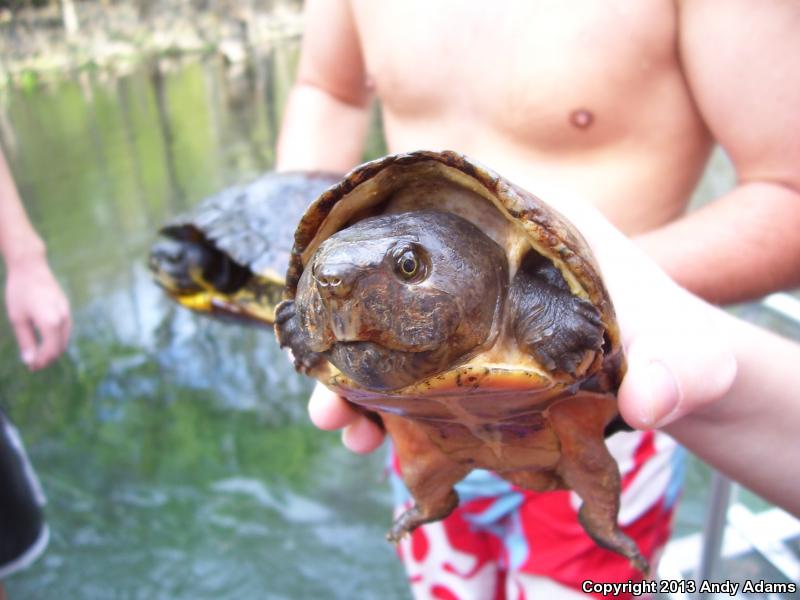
[502,539]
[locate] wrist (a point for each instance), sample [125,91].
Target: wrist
[23,252]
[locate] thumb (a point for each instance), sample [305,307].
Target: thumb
[670,376]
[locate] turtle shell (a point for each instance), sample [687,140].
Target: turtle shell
[499,407]
[244,235]
[533,225]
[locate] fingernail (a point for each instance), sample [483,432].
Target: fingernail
[350,440]
[28,356]
[359,437]
[664,394]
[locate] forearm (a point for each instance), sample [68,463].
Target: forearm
[18,239]
[740,247]
[320,131]
[751,433]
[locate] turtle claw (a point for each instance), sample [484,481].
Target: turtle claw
[283,313]
[614,540]
[399,529]
[420,514]
[405,524]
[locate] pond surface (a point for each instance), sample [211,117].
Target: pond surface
[176,451]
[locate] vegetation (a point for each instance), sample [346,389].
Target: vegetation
[50,38]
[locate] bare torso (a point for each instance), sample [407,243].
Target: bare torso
[584,94]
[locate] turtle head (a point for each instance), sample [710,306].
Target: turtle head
[398,297]
[188,266]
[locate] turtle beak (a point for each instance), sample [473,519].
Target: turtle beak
[345,327]
[322,309]
[334,285]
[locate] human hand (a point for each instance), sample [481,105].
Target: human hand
[678,360]
[37,305]
[329,411]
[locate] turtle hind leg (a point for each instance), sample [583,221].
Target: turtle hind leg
[428,473]
[587,467]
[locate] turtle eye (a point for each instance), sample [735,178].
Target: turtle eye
[407,264]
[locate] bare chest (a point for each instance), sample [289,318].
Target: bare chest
[540,71]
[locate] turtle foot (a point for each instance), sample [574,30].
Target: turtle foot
[290,336]
[558,329]
[403,525]
[616,541]
[414,517]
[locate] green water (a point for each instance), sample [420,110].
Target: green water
[175,451]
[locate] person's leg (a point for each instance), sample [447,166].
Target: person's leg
[448,558]
[23,531]
[559,550]
[439,566]
[525,585]
[3,592]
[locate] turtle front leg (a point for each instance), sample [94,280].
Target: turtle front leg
[428,473]
[552,324]
[290,335]
[587,467]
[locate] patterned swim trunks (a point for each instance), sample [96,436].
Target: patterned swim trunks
[501,540]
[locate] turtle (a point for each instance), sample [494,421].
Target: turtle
[472,318]
[227,256]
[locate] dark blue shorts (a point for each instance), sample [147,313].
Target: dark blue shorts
[23,531]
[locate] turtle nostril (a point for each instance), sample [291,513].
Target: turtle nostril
[332,285]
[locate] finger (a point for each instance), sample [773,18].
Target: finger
[330,411]
[665,381]
[26,340]
[65,330]
[362,436]
[50,347]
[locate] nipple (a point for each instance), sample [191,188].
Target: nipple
[581,118]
